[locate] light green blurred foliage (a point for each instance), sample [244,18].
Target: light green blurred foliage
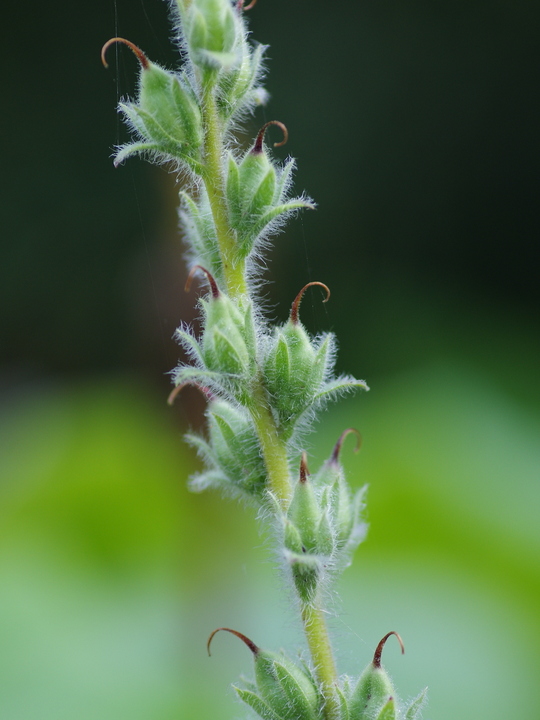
[112,574]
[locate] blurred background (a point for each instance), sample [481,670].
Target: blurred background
[415,125]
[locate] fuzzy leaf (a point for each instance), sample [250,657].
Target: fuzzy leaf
[190,344]
[343,705]
[415,708]
[342,384]
[288,207]
[126,151]
[300,709]
[257,704]
[389,711]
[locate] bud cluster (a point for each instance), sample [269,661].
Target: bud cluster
[322,526]
[287,690]
[265,385]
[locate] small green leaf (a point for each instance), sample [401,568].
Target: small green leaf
[389,711]
[257,704]
[340,385]
[414,710]
[343,706]
[134,149]
[299,707]
[190,344]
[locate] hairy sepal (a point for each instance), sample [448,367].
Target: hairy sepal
[414,709]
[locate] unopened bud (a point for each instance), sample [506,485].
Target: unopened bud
[373,695]
[282,686]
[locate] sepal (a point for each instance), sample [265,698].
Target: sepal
[414,710]
[283,690]
[166,116]
[256,192]
[232,452]
[372,698]
[212,30]
[200,233]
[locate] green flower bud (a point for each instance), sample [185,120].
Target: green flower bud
[284,690]
[237,88]
[344,509]
[307,534]
[166,115]
[295,367]
[228,344]
[304,511]
[372,698]
[252,189]
[235,446]
[212,30]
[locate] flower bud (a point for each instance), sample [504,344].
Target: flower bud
[373,696]
[228,343]
[234,444]
[166,113]
[295,368]
[211,30]
[251,188]
[284,690]
[304,510]
[343,507]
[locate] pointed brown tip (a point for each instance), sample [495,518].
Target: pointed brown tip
[141,57]
[176,391]
[295,307]
[211,281]
[251,645]
[337,447]
[304,470]
[240,5]
[380,646]
[258,147]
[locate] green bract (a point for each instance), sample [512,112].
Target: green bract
[265,385]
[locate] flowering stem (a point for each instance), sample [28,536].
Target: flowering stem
[273,448]
[321,653]
[233,269]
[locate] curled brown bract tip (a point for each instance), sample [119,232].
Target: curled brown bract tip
[251,645]
[258,147]
[211,281]
[175,392]
[337,447]
[380,646]
[141,57]
[304,470]
[240,5]
[298,299]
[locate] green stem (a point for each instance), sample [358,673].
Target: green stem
[233,270]
[323,660]
[273,448]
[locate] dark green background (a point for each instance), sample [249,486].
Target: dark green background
[415,126]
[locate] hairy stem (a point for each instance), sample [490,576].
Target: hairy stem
[233,270]
[322,656]
[273,448]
